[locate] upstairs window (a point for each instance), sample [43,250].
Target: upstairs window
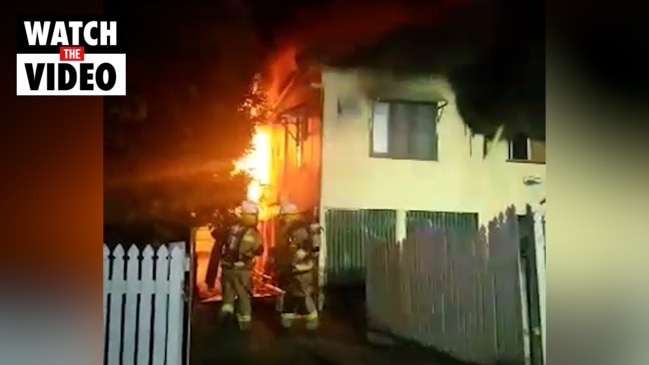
[404,130]
[522,148]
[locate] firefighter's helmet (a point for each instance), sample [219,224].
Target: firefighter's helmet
[248,213]
[248,207]
[288,212]
[288,208]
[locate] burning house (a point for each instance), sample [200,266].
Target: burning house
[372,126]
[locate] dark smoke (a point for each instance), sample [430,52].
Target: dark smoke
[493,54]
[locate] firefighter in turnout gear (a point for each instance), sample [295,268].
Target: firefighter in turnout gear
[296,265]
[236,255]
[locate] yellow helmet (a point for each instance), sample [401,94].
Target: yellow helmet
[289,212]
[248,213]
[248,207]
[288,208]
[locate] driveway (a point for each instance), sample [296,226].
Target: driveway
[340,340]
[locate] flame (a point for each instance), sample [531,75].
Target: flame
[257,164]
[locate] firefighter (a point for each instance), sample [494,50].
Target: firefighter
[300,244]
[236,255]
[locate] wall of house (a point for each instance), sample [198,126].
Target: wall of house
[295,165]
[462,180]
[300,180]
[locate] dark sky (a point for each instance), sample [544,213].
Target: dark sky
[492,50]
[510,66]
[268,16]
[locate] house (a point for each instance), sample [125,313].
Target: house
[373,154]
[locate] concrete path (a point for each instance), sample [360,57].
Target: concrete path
[341,340]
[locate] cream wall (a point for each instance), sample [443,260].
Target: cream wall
[296,168]
[293,178]
[461,181]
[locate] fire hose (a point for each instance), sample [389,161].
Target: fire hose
[267,282]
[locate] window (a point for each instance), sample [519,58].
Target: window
[522,148]
[404,130]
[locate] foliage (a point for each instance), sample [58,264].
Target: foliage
[256,105]
[170,144]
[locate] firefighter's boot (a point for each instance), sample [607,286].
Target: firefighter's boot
[312,322]
[227,310]
[244,321]
[286,320]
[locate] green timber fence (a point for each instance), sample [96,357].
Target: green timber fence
[347,233]
[459,223]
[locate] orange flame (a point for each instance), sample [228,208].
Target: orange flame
[257,164]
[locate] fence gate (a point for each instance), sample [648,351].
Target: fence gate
[145,305]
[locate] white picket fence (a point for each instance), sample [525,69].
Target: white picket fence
[143,305]
[460,294]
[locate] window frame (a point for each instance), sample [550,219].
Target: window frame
[372,154]
[529,159]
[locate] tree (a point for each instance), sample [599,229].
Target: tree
[171,142]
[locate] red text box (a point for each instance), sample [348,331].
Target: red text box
[71,54]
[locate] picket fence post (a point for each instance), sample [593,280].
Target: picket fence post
[117,289]
[146,297]
[174,338]
[160,315]
[130,307]
[106,287]
[127,321]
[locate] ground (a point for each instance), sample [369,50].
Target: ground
[341,339]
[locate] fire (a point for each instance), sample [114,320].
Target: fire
[257,164]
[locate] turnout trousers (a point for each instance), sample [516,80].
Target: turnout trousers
[298,301]
[236,284]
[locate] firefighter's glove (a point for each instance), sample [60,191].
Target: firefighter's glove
[307,266]
[300,254]
[315,228]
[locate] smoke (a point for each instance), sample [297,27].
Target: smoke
[492,52]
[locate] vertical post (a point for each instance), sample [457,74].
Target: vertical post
[107,288]
[322,256]
[401,228]
[193,293]
[130,307]
[175,310]
[161,297]
[146,299]
[525,310]
[284,186]
[539,242]
[118,288]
